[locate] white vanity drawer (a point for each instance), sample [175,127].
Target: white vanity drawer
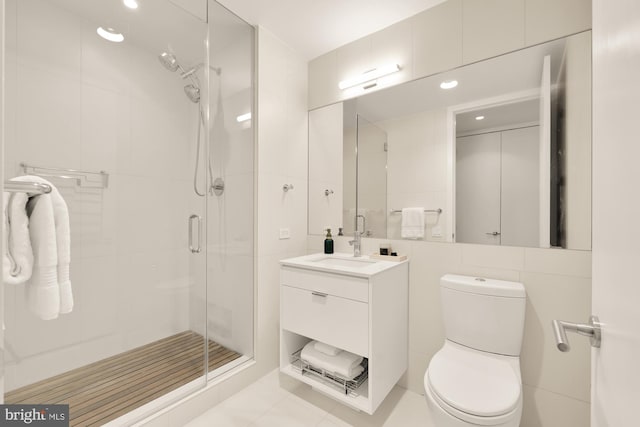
[356,288]
[337,321]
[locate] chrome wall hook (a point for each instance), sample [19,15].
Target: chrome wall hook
[327,192]
[287,187]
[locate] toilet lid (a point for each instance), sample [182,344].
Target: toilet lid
[477,383]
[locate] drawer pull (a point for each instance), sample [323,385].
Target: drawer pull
[319,294]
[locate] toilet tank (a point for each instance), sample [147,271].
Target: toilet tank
[484,314]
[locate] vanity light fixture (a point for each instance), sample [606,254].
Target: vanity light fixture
[479,117]
[131,4]
[243,117]
[110,34]
[368,76]
[448,84]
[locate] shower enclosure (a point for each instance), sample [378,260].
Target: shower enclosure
[147,135]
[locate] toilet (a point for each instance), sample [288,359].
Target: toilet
[474,379]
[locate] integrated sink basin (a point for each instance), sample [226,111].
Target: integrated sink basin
[341,263]
[344,262]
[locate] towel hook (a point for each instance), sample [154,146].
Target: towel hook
[287,187]
[327,192]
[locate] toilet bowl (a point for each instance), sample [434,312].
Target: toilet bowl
[474,379]
[465,387]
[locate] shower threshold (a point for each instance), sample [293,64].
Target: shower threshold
[107,389]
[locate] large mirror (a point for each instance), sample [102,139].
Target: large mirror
[503,158]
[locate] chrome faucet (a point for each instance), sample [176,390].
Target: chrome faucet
[357,235]
[356,243]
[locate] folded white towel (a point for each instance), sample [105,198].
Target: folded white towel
[17,260]
[49,288]
[63,245]
[412,223]
[344,364]
[43,289]
[326,348]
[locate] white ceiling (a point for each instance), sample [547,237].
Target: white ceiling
[314,27]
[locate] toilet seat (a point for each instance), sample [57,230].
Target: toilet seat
[477,387]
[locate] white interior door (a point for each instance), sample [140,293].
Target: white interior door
[478,189]
[519,207]
[616,212]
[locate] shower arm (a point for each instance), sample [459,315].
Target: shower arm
[184,74]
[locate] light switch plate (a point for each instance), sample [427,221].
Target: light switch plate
[285,233]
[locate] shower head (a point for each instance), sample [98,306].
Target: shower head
[169,61]
[193,93]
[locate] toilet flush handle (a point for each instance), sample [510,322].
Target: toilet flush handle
[591,330]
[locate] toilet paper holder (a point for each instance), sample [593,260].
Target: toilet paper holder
[591,330]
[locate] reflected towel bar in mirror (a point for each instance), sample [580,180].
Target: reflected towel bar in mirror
[27,187]
[438,211]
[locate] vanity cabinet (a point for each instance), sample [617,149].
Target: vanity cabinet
[363,310]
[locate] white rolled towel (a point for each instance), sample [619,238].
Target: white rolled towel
[63,244]
[43,290]
[17,260]
[344,364]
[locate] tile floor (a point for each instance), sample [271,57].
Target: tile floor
[279,401]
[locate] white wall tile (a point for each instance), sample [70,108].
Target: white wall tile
[558,261]
[543,365]
[542,408]
[437,38]
[502,257]
[550,19]
[491,27]
[323,80]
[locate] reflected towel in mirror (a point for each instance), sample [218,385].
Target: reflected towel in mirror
[412,223]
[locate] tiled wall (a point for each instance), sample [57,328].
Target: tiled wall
[449,35]
[558,286]
[77,101]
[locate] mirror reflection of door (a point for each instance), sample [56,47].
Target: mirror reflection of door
[497,182]
[371,179]
[478,189]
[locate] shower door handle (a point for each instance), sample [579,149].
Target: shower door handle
[194,249]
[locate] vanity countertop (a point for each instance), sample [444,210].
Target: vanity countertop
[341,263]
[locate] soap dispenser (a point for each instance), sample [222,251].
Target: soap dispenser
[328,243]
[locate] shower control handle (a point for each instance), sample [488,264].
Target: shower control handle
[194,249]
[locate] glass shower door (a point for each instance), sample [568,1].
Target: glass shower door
[119,127]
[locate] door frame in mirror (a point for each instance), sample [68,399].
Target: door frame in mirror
[452,112]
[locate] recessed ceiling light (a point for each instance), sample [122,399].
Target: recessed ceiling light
[131,4]
[449,84]
[480,118]
[110,34]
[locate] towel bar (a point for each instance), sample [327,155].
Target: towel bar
[438,211]
[27,187]
[83,178]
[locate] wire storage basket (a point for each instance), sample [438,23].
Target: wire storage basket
[347,386]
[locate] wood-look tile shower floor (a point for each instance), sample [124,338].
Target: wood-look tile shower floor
[107,389]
